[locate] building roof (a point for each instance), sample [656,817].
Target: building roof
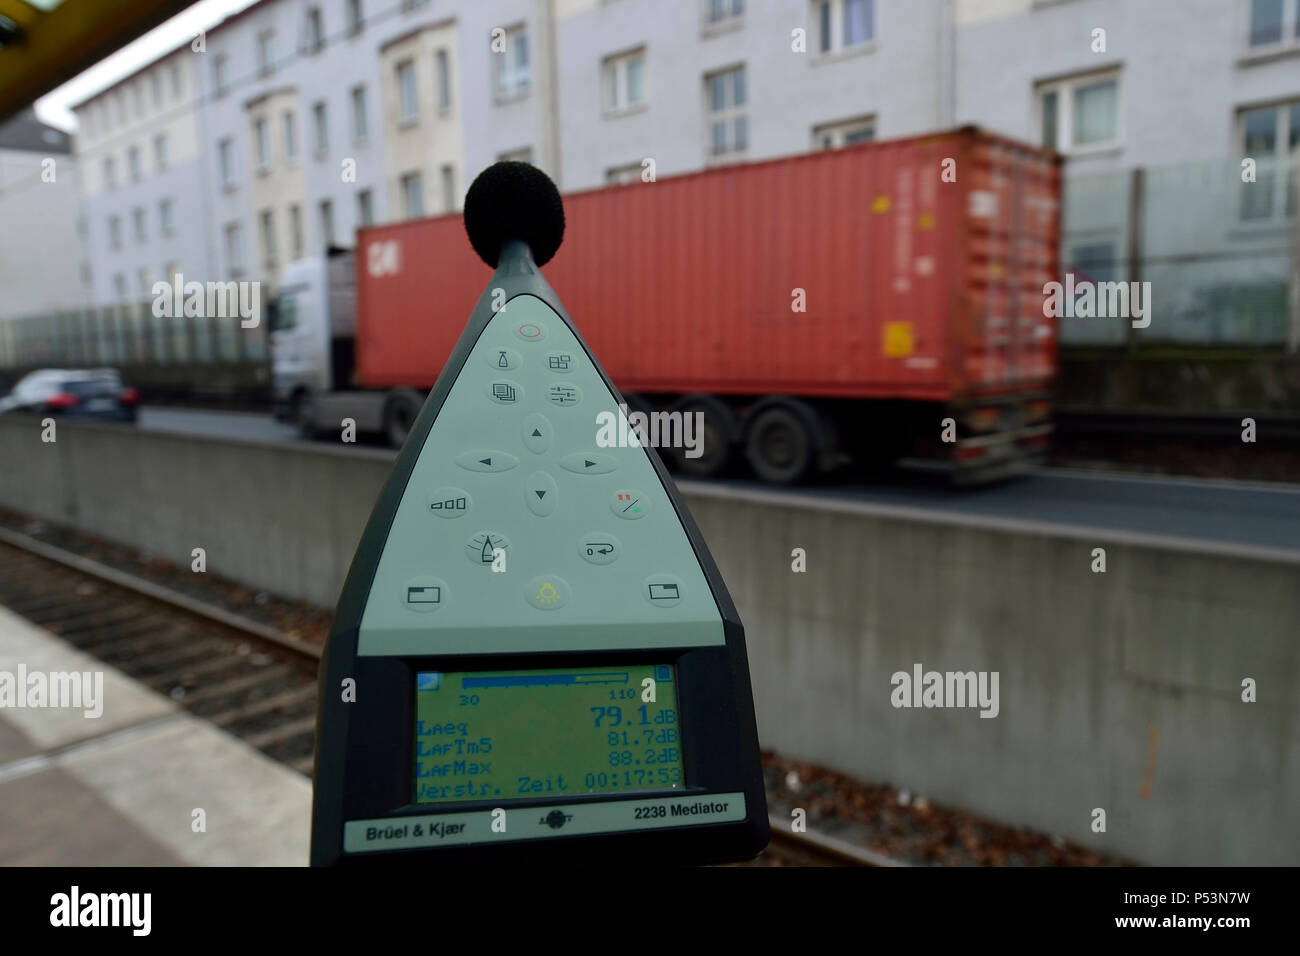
[25,131]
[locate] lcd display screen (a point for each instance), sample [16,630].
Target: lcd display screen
[519,734]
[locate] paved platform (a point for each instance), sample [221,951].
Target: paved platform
[121,789]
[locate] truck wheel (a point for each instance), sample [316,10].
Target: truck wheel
[304,414]
[715,441]
[781,442]
[400,413]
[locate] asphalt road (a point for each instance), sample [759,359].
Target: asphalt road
[1248,514]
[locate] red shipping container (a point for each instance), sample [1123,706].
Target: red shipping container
[910,269]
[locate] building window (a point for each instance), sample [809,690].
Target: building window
[119,286]
[234,250]
[115,232]
[315,30]
[290,136]
[138,223]
[409,5]
[226,162]
[155,89]
[166,224]
[295,230]
[360,126]
[624,80]
[355,19]
[133,163]
[718,11]
[1080,114]
[174,74]
[844,24]
[1270,135]
[511,73]
[845,133]
[137,98]
[1273,22]
[327,222]
[621,175]
[365,208]
[728,122]
[320,129]
[110,173]
[219,78]
[442,63]
[120,101]
[412,196]
[266,223]
[408,95]
[266,52]
[171,270]
[262,143]
[523,155]
[448,177]
[160,158]
[144,279]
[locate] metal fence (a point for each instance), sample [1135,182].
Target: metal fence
[1216,241]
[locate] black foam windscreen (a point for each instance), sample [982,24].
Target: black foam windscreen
[513,200]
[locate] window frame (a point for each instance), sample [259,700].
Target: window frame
[1284,163]
[728,115]
[1065,88]
[615,67]
[509,81]
[408,113]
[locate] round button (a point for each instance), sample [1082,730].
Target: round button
[483,547]
[563,394]
[599,547]
[588,463]
[629,504]
[546,592]
[503,359]
[540,493]
[505,393]
[530,331]
[449,501]
[662,590]
[424,594]
[560,361]
[536,433]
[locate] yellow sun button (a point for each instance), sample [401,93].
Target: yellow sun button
[547,592]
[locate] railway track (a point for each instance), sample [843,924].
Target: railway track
[244,677]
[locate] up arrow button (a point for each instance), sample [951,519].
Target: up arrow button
[588,464]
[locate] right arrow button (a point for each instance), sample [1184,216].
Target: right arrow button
[588,464]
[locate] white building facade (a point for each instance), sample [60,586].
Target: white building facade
[303,120]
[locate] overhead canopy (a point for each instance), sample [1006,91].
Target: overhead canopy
[46,42]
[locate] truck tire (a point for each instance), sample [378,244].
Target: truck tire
[718,439]
[400,411]
[782,441]
[303,414]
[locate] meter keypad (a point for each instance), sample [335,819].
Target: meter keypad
[547,464]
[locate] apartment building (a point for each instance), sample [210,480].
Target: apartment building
[693,84]
[303,120]
[140,169]
[42,267]
[1155,104]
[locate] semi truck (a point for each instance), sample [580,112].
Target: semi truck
[882,302]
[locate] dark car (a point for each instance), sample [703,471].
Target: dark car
[74,393]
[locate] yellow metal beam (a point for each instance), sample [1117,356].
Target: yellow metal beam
[55,46]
